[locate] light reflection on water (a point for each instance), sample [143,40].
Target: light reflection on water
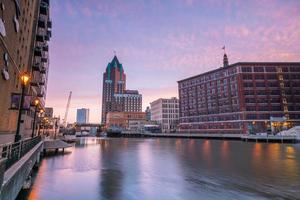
[172,169]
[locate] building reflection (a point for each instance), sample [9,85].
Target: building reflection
[206,149]
[110,175]
[224,152]
[111,183]
[290,162]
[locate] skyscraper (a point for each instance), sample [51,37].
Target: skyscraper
[82,115]
[115,97]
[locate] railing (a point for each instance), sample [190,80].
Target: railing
[15,151]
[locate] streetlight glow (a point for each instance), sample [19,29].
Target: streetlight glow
[36,102]
[25,79]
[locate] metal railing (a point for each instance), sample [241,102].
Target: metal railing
[15,151]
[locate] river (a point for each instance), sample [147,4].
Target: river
[168,169]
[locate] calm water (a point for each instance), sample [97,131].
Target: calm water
[169,169]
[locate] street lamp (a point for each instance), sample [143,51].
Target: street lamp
[41,122]
[36,103]
[24,81]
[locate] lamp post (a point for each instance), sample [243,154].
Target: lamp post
[41,122]
[36,103]
[24,81]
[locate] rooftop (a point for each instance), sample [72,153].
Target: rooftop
[241,63]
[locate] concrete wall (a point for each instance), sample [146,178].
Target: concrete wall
[15,176]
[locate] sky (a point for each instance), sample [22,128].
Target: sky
[160,42]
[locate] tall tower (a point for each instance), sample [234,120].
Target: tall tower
[114,82]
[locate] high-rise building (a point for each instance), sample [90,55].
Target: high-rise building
[82,116]
[243,97]
[115,97]
[166,113]
[148,113]
[25,29]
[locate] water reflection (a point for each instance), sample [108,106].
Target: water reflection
[172,169]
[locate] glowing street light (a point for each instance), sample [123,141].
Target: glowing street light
[36,104]
[25,78]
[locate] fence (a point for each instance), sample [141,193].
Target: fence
[15,151]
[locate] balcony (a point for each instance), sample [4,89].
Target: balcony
[49,24]
[44,59]
[43,70]
[40,94]
[37,51]
[34,84]
[46,48]
[44,8]
[40,38]
[41,23]
[49,33]
[47,38]
[45,2]
[36,67]
[42,82]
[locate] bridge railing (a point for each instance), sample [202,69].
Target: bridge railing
[15,151]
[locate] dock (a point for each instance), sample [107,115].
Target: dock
[55,145]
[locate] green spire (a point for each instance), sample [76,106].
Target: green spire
[114,63]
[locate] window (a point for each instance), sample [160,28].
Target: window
[259,77]
[258,69]
[295,69]
[246,69]
[248,84]
[260,84]
[270,69]
[247,77]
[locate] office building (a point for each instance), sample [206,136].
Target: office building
[115,97]
[166,113]
[148,113]
[82,116]
[245,97]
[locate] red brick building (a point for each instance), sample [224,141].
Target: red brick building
[240,97]
[122,119]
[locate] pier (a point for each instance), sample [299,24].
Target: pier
[55,145]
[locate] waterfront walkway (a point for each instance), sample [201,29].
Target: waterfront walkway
[16,163]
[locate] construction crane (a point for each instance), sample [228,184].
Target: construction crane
[67,110]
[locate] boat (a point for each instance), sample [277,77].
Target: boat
[114,131]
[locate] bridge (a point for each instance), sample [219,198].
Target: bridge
[89,128]
[16,163]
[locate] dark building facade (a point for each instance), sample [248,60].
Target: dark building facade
[115,97]
[241,98]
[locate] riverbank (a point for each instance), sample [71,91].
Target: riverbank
[242,137]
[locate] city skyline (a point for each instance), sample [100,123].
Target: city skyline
[186,42]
